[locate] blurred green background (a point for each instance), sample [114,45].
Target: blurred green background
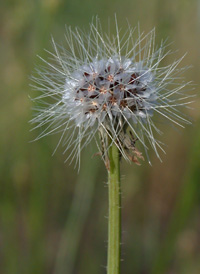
[53,220]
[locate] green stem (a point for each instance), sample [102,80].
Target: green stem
[114,222]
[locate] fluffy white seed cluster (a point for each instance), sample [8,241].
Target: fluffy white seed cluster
[109,88]
[112,84]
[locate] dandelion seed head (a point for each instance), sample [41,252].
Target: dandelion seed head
[112,85]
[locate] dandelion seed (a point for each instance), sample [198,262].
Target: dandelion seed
[111,85]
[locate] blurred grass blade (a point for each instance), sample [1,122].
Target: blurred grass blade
[70,238]
[186,204]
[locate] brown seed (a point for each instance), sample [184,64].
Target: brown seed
[112,100]
[123,103]
[110,78]
[121,87]
[91,88]
[86,74]
[103,90]
[104,107]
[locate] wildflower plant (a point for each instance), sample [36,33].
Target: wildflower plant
[111,85]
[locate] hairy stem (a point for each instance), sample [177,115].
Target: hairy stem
[114,221]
